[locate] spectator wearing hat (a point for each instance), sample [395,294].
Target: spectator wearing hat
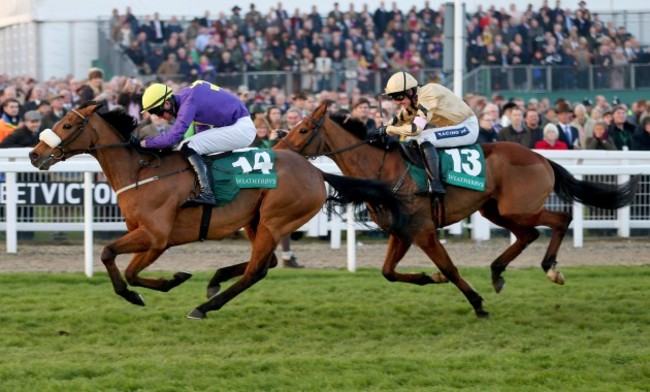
[93,87]
[27,134]
[253,16]
[236,18]
[56,112]
[568,133]
[298,102]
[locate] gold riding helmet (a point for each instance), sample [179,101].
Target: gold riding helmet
[154,97]
[399,84]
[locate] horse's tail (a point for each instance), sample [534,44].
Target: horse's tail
[376,194]
[607,196]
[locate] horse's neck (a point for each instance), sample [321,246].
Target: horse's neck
[120,165]
[365,161]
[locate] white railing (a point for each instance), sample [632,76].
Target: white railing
[621,164]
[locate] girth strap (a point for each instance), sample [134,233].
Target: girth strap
[205,222]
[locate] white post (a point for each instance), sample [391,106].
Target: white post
[480,227]
[458,47]
[88,223]
[351,240]
[335,232]
[11,207]
[456,228]
[578,222]
[624,213]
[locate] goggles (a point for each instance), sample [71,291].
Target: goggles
[158,110]
[397,96]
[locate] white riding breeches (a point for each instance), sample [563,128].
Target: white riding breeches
[462,134]
[215,140]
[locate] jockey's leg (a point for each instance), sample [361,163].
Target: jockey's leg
[432,164]
[205,195]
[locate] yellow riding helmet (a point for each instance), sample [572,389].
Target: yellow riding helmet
[400,82]
[155,95]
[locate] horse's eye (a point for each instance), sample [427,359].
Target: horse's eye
[67,126]
[303,130]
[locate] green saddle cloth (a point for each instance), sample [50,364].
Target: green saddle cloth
[463,167]
[249,168]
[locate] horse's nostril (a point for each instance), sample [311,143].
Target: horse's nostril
[33,156]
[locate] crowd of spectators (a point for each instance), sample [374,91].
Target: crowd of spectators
[339,48]
[331,52]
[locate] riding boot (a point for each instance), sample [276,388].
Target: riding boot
[205,196]
[432,165]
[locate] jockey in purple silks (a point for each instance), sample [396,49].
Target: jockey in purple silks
[222,123]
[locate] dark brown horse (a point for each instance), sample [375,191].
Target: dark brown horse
[518,181]
[151,186]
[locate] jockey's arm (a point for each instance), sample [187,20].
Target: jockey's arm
[409,124]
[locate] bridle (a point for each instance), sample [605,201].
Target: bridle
[142,163]
[316,131]
[319,151]
[59,152]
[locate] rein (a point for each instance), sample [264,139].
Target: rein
[142,162]
[319,151]
[63,154]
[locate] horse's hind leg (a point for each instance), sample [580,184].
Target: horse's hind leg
[397,248]
[434,249]
[525,236]
[558,222]
[263,248]
[226,273]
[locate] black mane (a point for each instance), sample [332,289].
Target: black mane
[350,124]
[119,119]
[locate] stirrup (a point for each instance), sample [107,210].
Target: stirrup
[201,200]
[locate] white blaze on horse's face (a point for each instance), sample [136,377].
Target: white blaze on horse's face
[50,138]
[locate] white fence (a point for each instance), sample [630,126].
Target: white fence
[81,173]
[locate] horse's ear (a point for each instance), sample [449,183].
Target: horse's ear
[327,104]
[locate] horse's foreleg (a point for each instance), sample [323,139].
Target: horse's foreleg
[131,242]
[141,261]
[525,236]
[437,253]
[397,248]
[559,223]
[263,248]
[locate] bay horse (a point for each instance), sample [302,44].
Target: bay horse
[518,181]
[151,186]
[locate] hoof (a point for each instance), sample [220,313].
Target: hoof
[182,276]
[498,285]
[439,278]
[555,276]
[134,298]
[196,315]
[212,291]
[482,314]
